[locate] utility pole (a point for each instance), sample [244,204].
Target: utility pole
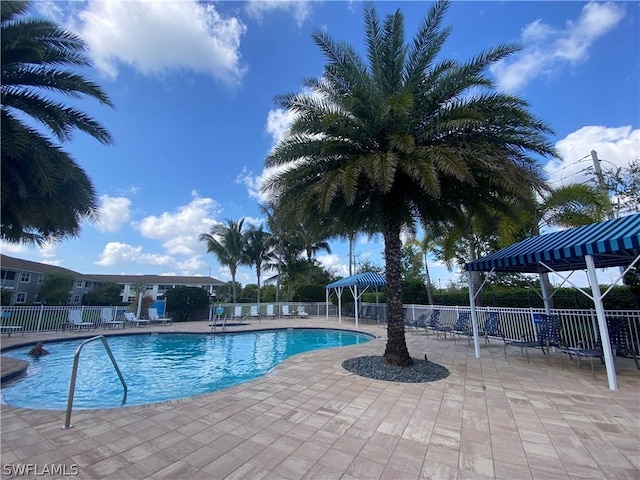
[605,192]
[602,184]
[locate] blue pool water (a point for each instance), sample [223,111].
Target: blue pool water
[159,367]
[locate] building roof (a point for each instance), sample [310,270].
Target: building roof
[156,279]
[365,279]
[18,264]
[611,243]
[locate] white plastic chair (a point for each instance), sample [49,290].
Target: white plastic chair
[132,319]
[154,317]
[285,311]
[270,312]
[75,320]
[301,312]
[107,320]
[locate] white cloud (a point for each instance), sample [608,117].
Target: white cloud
[254,184]
[193,266]
[158,37]
[615,147]
[117,253]
[333,264]
[12,249]
[180,229]
[300,9]
[114,212]
[549,48]
[278,124]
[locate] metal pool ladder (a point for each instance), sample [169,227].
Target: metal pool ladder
[74,372]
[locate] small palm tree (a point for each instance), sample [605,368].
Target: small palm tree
[425,245]
[36,59]
[258,249]
[228,244]
[403,138]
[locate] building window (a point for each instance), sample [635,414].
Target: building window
[21,297]
[8,275]
[40,279]
[25,277]
[79,284]
[76,299]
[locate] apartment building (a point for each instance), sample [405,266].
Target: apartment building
[23,279]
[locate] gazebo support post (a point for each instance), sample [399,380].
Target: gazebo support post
[474,316]
[602,323]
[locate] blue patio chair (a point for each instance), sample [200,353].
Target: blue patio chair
[620,344]
[548,328]
[462,327]
[434,324]
[417,324]
[492,326]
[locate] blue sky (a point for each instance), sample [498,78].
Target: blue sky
[194,83]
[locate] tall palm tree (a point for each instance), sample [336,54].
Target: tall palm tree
[36,58]
[258,249]
[227,242]
[309,242]
[425,245]
[404,138]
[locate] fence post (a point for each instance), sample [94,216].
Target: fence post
[39,326]
[533,322]
[594,322]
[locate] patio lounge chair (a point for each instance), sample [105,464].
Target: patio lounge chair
[491,326]
[133,320]
[462,327]
[418,323]
[107,320]
[237,312]
[75,320]
[270,312]
[620,344]
[154,317]
[548,335]
[434,324]
[9,329]
[301,312]
[285,311]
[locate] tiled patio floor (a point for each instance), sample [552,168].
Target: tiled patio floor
[311,419]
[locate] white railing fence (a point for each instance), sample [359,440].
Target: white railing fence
[42,318]
[576,325]
[515,323]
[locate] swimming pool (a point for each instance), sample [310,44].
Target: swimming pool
[159,367]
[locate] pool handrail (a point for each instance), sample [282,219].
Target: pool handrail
[74,372]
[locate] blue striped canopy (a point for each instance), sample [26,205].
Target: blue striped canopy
[365,279]
[612,243]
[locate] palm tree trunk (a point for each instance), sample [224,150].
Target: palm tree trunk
[428,279]
[233,284]
[544,278]
[475,276]
[396,352]
[258,276]
[351,239]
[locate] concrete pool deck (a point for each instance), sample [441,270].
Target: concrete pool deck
[311,419]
